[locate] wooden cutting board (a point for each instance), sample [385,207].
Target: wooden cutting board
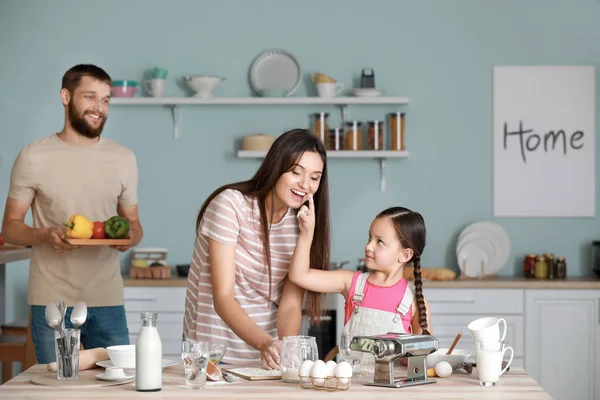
[254,374]
[100,242]
[86,380]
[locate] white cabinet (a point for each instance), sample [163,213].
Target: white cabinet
[453,309]
[562,342]
[169,303]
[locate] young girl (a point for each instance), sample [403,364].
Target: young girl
[380,301]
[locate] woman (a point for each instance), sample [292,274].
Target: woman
[237,291]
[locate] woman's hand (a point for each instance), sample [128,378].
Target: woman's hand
[269,354]
[306,218]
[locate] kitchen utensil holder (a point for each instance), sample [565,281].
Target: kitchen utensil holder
[330,384]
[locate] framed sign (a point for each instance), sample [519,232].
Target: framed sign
[544,141]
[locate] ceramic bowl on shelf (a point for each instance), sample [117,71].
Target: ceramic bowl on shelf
[124,88]
[203,85]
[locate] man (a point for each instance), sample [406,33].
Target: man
[75,171]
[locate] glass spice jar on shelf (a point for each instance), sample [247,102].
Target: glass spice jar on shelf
[375,135]
[396,131]
[336,139]
[319,126]
[353,135]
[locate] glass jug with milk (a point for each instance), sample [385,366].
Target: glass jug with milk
[148,356]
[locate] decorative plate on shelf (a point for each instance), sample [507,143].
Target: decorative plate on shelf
[275,69]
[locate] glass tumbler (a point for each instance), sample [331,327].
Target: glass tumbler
[195,356]
[294,351]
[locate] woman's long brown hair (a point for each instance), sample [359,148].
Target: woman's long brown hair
[410,229]
[283,155]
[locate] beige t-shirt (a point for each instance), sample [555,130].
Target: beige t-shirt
[62,179]
[233,219]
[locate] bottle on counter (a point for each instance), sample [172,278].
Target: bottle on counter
[541,268]
[529,266]
[561,268]
[148,356]
[551,265]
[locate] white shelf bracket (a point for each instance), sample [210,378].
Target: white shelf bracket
[382,171]
[176,120]
[344,112]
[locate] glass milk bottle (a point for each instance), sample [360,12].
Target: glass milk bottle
[148,356]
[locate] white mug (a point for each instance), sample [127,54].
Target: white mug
[329,90]
[487,328]
[489,355]
[156,87]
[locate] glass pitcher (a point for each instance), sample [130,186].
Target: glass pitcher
[294,351]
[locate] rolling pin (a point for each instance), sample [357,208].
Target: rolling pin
[87,359]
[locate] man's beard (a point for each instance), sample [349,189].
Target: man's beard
[80,124]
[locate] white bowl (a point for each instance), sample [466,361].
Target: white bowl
[456,359]
[122,356]
[203,84]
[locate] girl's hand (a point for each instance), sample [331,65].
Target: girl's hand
[269,354]
[306,218]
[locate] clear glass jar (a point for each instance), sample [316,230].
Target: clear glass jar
[294,351]
[336,139]
[375,135]
[353,135]
[396,131]
[319,126]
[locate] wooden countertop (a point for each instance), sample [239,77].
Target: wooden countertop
[516,384]
[498,283]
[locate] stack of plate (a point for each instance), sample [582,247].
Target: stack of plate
[482,249]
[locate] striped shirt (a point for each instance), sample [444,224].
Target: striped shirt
[234,219]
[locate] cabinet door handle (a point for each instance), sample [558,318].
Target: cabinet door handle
[598,310]
[140,299]
[470,301]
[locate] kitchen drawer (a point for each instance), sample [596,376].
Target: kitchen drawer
[445,328]
[485,302]
[158,299]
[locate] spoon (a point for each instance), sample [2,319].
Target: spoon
[456,339]
[78,317]
[79,314]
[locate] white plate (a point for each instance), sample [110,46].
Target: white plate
[124,379]
[367,92]
[108,363]
[494,234]
[275,69]
[474,257]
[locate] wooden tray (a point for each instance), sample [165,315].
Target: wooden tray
[254,374]
[11,247]
[100,242]
[86,380]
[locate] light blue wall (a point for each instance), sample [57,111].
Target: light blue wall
[438,53]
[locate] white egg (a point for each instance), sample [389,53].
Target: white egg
[343,372]
[305,367]
[331,366]
[318,372]
[443,369]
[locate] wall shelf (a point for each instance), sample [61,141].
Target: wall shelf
[175,102]
[381,155]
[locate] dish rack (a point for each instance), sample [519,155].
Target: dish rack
[150,256]
[330,384]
